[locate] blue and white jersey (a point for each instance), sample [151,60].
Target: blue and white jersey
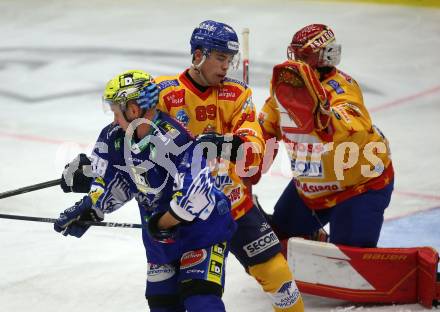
[163,172]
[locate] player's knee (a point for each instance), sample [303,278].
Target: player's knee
[201,295]
[202,303]
[277,281]
[199,287]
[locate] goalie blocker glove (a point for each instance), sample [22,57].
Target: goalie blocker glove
[227,145]
[298,92]
[75,177]
[81,211]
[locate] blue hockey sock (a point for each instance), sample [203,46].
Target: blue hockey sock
[202,303]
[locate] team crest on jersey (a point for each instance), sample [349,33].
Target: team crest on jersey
[182,116]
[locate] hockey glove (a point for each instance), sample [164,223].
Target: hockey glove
[81,211]
[227,145]
[299,93]
[74,178]
[166,236]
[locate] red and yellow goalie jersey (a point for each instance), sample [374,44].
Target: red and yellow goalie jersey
[348,158]
[226,109]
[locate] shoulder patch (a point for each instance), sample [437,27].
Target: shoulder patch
[336,86]
[167,83]
[241,83]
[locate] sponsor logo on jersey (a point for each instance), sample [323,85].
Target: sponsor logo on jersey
[192,258]
[219,249]
[216,262]
[264,227]
[261,244]
[229,93]
[221,181]
[306,168]
[159,273]
[174,99]
[182,116]
[234,195]
[318,188]
[336,86]
[195,271]
[241,83]
[286,296]
[215,268]
[167,83]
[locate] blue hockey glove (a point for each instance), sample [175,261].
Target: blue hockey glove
[233,143]
[74,178]
[81,211]
[166,236]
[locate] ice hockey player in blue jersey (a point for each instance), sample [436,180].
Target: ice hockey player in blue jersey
[147,155]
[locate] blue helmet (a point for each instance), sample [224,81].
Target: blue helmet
[211,35]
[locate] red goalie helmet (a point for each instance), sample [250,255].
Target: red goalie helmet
[316,45]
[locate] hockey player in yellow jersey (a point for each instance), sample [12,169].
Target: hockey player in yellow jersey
[219,110]
[342,171]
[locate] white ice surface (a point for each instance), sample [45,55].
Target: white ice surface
[56,56]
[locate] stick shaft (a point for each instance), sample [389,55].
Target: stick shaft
[245,42]
[30,188]
[89,223]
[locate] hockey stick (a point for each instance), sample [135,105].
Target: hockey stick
[89,223]
[245,44]
[245,39]
[30,188]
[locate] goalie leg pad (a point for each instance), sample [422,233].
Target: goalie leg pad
[277,281]
[376,275]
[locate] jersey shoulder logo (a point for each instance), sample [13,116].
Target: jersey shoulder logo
[167,83]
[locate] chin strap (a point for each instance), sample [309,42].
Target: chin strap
[198,70]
